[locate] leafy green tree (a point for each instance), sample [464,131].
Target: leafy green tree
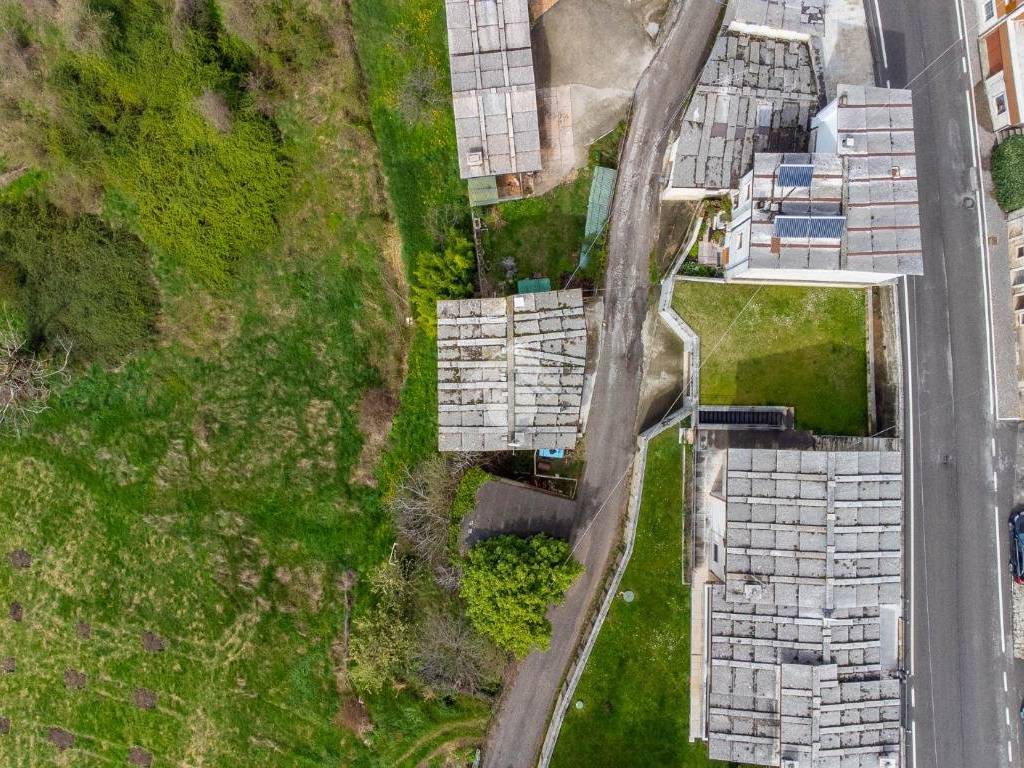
[447,275]
[508,582]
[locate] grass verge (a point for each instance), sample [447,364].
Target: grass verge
[1008,173]
[634,689]
[782,345]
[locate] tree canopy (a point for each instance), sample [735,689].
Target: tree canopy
[508,582]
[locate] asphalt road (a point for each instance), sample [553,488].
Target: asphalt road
[963,693]
[523,712]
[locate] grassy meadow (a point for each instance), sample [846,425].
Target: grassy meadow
[194,200]
[782,345]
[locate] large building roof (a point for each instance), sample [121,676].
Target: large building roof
[803,647]
[493,89]
[754,95]
[510,371]
[875,128]
[851,206]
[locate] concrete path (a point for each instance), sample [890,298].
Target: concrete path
[525,707]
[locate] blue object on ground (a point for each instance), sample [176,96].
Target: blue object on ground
[551,453]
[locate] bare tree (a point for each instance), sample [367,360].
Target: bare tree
[420,94]
[27,379]
[451,656]
[423,512]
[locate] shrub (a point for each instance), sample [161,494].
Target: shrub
[447,275]
[508,583]
[201,198]
[78,280]
[1008,173]
[465,502]
[381,638]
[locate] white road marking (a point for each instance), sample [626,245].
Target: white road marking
[881,36]
[1006,711]
[1009,751]
[972,117]
[913,746]
[912,699]
[910,463]
[993,442]
[963,64]
[1006,687]
[999,582]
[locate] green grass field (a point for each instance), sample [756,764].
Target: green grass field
[782,345]
[634,690]
[216,486]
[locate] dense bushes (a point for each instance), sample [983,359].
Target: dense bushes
[1008,173]
[508,583]
[78,280]
[129,120]
[447,275]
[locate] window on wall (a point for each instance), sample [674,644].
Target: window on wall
[990,9]
[1001,104]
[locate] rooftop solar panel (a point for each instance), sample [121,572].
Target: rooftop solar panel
[795,175]
[810,227]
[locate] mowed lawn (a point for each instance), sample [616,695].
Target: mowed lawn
[782,345]
[635,687]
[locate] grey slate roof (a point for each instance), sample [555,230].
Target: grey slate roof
[754,95]
[493,88]
[510,371]
[802,631]
[876,137]
[801,16]
[871,180]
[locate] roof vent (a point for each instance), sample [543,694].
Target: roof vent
[849,142]
[475,158]
[887,761]
[895,171]
[788,762]
[753,591]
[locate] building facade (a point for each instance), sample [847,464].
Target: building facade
[1001,37]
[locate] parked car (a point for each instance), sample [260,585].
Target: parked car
[1017,546]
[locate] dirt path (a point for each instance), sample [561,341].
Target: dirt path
[417,745]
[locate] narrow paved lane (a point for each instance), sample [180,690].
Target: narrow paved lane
[962,693]
[525,707]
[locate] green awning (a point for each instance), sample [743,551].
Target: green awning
[483,191]
[534,285]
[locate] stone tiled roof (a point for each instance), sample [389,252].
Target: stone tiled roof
[875,127]
[803,631]
[493,87]
[754,95]
[510,371]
